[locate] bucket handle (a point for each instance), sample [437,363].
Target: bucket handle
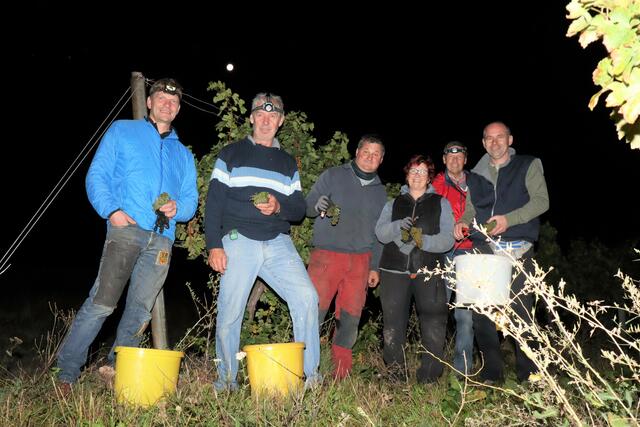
[281,365]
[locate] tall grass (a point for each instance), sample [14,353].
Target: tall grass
[574,387]
[364,399]
[571,389]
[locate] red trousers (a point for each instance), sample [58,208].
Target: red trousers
[343,276]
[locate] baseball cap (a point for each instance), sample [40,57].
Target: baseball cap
[455,147]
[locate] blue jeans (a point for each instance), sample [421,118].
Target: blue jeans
[463,353]
[278,263]
[129,253]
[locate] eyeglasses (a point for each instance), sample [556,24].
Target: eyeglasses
[454,150]
[500,138]
[416,171]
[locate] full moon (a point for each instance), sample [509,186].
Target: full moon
[229,67]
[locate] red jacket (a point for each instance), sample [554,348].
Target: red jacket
[456,196]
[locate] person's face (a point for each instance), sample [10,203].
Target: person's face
[369,157]
[418,177]
[454,162]
[496,141]
[163,108]
[265,124]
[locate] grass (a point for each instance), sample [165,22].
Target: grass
[364,399]
[574,387]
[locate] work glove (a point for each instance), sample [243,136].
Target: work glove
[404,223]
[322,204]
[162,222]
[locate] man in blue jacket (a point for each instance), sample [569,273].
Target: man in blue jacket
[137,161]
[247,238]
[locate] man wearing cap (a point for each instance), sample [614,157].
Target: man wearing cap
[452,184]
[511,190]
[346,252]
[142,180]
[247,239]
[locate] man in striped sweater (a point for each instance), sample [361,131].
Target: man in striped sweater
[247,239]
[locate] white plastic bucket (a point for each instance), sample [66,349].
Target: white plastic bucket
[482,279]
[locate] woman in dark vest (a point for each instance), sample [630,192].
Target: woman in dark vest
[416,229]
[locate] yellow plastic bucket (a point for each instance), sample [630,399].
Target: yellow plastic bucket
[275,368]
[144,375]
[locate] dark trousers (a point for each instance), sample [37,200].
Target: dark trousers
[396,293]
[487,336]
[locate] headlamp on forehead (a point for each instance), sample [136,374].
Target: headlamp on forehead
[168,86]
[171,90]
[454,150]
[268,107]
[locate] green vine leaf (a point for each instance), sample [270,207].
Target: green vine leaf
[617,23]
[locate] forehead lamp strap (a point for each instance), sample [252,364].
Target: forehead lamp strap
[170,89]
[454,150]
[268,107]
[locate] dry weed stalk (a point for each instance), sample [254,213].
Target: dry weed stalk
[205,325]
[47,347]
[556,350]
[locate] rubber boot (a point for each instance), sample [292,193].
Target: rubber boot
[342,361]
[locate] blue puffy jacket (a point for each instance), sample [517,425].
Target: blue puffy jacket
[133,166]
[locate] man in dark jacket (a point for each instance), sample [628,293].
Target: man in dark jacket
[248,237]
[346,252]
[511,190]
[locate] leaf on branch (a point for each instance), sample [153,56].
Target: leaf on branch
[621,59]
[618,94]
[547,413]
[616,36]
[631,110]
[577,26]
[576,10]
[616,420]
[594,99]
[587,37]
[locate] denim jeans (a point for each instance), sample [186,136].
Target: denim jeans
[130,254]
[487,337]
[463,353]
[278,263]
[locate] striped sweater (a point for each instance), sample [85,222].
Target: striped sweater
[241,170]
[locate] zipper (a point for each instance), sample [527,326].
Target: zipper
[161,165]
[413,214]
[495,191]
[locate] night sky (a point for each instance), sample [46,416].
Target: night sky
[419,79]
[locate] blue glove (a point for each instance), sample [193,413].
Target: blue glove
[322,204]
